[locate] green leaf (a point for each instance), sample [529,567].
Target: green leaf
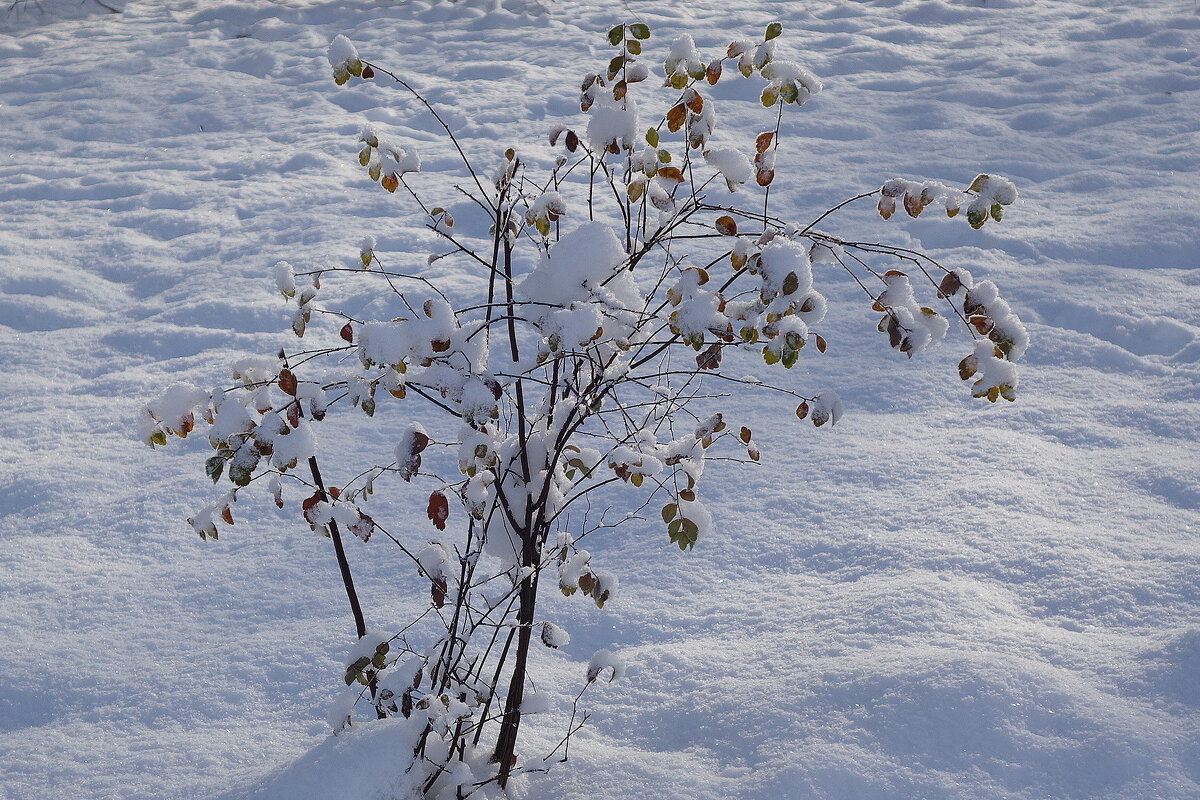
[669,511]
[158,438]
[774,30]
[997,211]
[791,283]
[616,35]
[240,475]
[652,137]
[213,467]
[640,30]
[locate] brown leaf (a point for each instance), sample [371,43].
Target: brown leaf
[437,591]
[713,73]
[950,284]
[308,505]
[981,323]
[710,358]
[671,173]
[438,510]
[764,141]
[821,343]
[688,495]
[287,382]
[802,410]
[363,527]
[675,117]
[695,103]
[367,72]
[764,177]
[726,226]
[293,414]
[572,141]
[913,205]
[620,90]
[744,434]
[227,515]
[347,333]
[894,331]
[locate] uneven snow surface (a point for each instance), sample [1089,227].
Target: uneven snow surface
[938,598]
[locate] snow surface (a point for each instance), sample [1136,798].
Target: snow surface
[938,598]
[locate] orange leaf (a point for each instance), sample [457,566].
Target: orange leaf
[675,117]
[672,173]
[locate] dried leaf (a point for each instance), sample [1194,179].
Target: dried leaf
[713,73]
[438,510]
[671,173]
[710,358]
[307,506]
[287,382]
[675,117]
[886,207]
[726,226]
[950,284]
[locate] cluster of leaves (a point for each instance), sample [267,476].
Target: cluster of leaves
[985,198]
[386,161]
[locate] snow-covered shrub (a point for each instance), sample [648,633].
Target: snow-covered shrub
[655,253]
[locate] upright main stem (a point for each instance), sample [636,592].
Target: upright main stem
[506,741]
[360,624]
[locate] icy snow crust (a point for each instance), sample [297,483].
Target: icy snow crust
[936,599]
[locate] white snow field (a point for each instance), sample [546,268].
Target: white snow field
[939,598]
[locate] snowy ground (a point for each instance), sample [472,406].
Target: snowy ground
[938,599]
